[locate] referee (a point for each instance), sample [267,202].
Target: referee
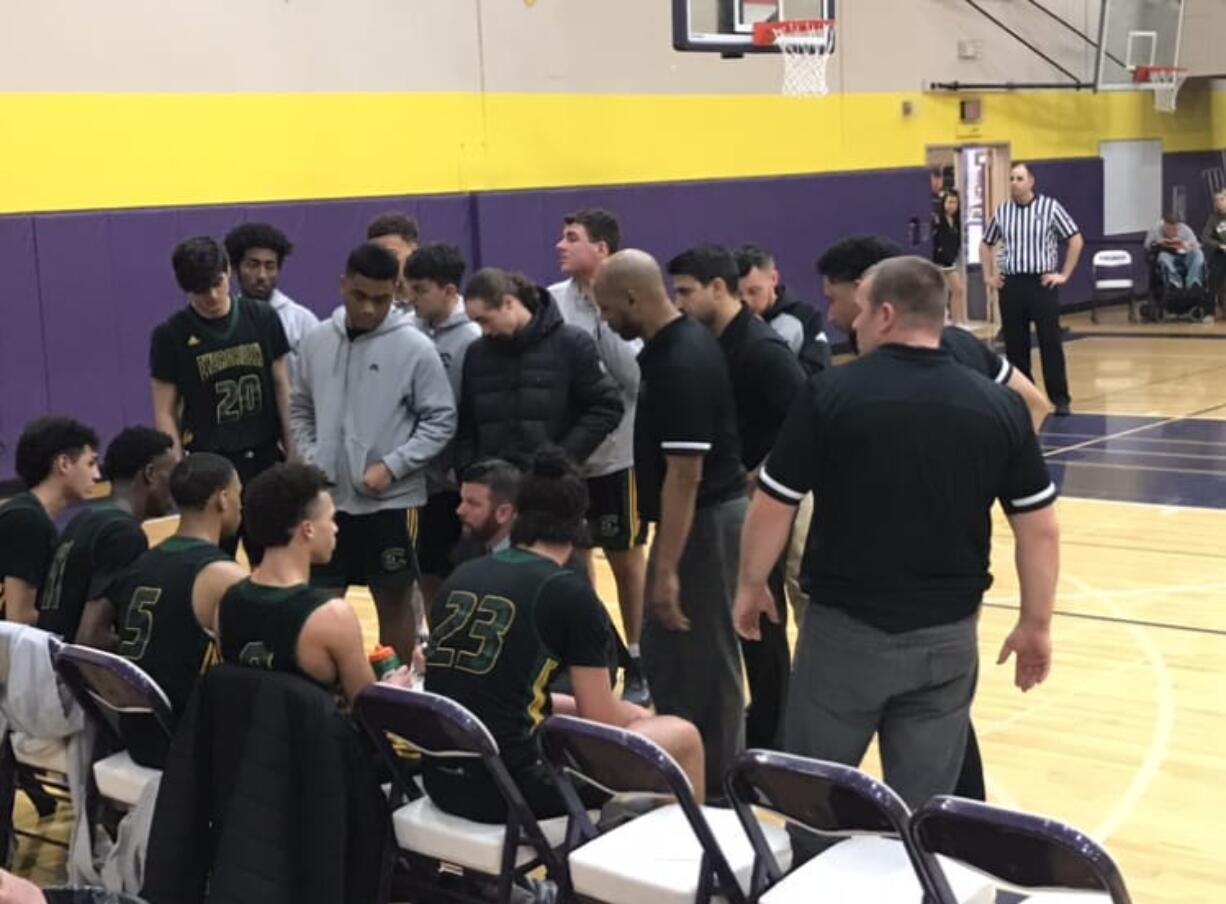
[1031,225]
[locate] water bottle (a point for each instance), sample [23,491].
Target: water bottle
[384,661]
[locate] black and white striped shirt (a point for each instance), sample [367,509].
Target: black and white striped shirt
[1030,233]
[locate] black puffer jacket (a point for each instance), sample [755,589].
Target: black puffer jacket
[543,385]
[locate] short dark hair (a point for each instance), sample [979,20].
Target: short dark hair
[553,501]
[1023,164]
[706,263]
[441,263]
[278,500]
[502,478]
[372,261]
[749,257]
[132,450]
[197,478]
[393,224]
[914,286]
[490,284]
[200,263]
[46,439]
[600,225]
[847,260]
[242,239]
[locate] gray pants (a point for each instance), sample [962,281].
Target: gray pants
[696,674]
[915,689]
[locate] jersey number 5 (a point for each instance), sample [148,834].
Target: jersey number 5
[484,623]
[138,622]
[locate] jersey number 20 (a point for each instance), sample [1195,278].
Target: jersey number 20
[470,621]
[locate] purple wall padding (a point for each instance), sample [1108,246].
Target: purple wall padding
[83,290]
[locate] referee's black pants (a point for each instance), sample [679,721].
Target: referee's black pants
[1024,299]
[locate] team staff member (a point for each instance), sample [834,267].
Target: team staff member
[889,644]
[1031,225]
[503,624]
[766,377]
[221,369]
[691,483]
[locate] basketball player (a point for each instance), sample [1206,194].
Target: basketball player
[258,251]
[397,232]
[275,619]
[501,625]
[57,461]
[220,369]
[165,605]
[106,537]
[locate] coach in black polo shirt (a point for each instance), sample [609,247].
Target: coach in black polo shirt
[905,451]
[766,376]
[1031,225]
[692,485]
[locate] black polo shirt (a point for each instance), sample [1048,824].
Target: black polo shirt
[905,450]
[685,407]
[766,377]
[971,351]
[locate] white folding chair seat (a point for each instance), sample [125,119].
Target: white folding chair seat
[1068,897]
[121,779]
[868,870]
[421,827]
[47,755]
[655,857]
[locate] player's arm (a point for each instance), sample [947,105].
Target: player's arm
[282,388]
[20,601]
[211,585]
[333,630]
[166,411]
[594,698]
[97,627]
[1036,402]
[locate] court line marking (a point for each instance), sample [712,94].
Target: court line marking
[1074,463]
[1164,722]
[1169,508]
[1121,594]
[1159,423]
[1145,453]
[1130,622]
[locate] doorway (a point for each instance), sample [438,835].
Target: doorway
[980,174]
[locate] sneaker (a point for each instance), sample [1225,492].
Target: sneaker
[1062,409]
[634,685]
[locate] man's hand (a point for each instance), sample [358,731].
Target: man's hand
[378,477]
[751,604]
[402,677]
[665,601]
[995,281]
[1032,646]
[1051,280]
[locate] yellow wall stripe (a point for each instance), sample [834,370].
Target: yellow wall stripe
[84,151]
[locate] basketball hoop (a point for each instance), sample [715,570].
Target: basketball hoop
[806,45]
[1165,81]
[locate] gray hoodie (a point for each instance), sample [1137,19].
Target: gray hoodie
[382,396]
[451,339]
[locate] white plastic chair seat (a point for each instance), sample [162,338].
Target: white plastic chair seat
[872,870]
[48,755]
[1104,284]
[1112,259]
[423,828]
[656,856]
[1068,897]
[121,779]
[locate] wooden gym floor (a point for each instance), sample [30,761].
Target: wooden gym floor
[1126,739]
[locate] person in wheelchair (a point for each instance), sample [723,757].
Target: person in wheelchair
[1179,262]
[503,624]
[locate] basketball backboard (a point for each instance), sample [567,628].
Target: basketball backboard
[1136,33]
[726,26]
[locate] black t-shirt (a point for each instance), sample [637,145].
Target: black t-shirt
[685,407]
[766,377]
[258,625]
[499,628]
[223,371]
[974,353]
[905,450]
[27,541]
[155,620]
[94,550]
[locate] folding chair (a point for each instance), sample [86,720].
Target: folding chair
[679,852]
[131,708]
[875,863]
[1112,272]
[439,727]
[1052,862]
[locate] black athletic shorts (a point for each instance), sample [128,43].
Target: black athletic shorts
[464,788]
[612,513]
[371,550]
[436,533]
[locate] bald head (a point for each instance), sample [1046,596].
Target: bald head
[630,293]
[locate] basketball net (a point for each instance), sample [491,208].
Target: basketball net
[1165,82]
[804,45]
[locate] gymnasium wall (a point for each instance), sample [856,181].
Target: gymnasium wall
[127,125]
